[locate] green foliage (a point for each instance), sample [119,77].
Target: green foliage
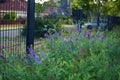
[6,17]
[43,25]
[112,8]
[64,19]
[39,8]
[106,7]
[10,16]
[73,57]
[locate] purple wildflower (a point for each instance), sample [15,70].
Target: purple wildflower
[61,32]
[69,48]
[31,52]
[71,39]
[79,28]
[34,56]
[98,36]
[49,31]
[63,40]
[92,42]
[37,60]
[46,35]
[27,57]
[56,35]
[41,55]
[88,35]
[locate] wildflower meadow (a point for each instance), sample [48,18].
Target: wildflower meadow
[79,55]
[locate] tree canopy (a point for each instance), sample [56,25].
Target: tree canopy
[106,7]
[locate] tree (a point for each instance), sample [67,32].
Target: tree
[111,7]
[105,7]
[40,7]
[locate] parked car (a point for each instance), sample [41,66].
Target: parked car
[93,24]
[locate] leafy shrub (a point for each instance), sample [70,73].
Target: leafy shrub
[79,56]
[6,17]
[42,26]
[84,57]
[10,16]
[13,16]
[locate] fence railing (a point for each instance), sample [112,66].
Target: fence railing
[18,21]
[13,17]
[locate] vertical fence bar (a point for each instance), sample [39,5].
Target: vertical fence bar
[30,24]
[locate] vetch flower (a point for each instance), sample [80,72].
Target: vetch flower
[41,55]
[49,31]
[61,32]
[37,60]
[88,34]
[28,57]
[98,36]
[92,42]
[46,35]
[56,35]
[71,39]
[34,56]
[79,28]
[25,55]
[69,48]
[63,40]
[31,52]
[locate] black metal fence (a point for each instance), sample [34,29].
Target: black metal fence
[13,16]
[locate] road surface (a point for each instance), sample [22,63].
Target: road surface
[10,33]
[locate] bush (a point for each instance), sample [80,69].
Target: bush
[79,56]
[6,17]
[10,16]
[42,26]
[84,57]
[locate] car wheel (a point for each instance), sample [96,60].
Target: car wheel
[89,27]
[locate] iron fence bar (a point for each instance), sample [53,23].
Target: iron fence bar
[30,24]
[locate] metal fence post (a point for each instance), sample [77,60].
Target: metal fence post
[30,24]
